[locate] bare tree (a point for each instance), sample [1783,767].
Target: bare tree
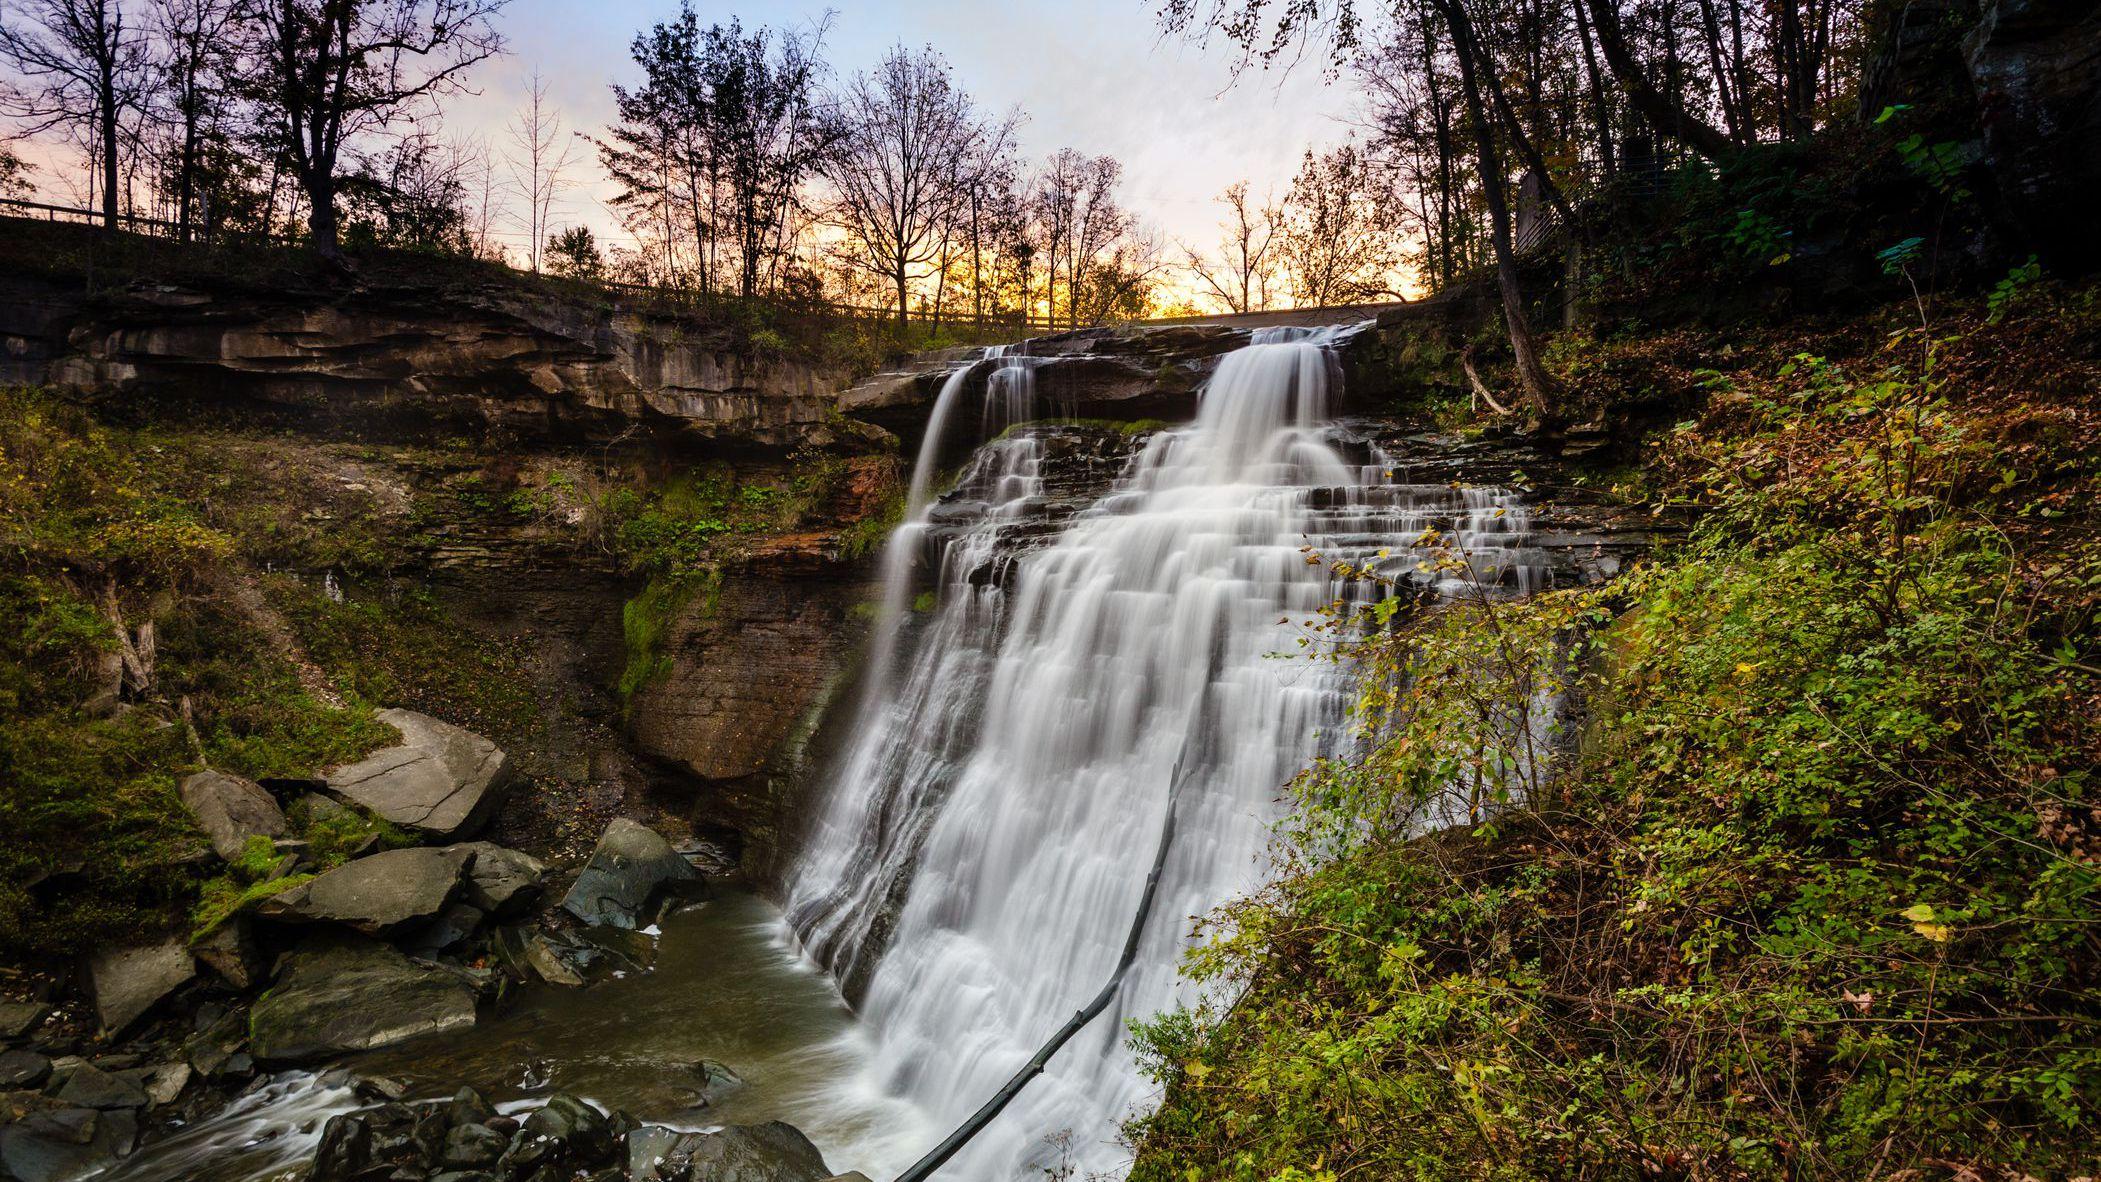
[84,66]
[900,168]
[1238,275]
[197,50]
[543,155]
[332,71]
[1336,242]
[1524,347]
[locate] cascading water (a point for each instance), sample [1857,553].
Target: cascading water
[986,839]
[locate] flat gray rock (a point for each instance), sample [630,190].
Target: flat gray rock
[440,780]
[339,992]
[377,893]
[23,1069]
[501,881]
[126,982]
[631,869]
[88,1086]
[61,1145]
[18,1018]
[232,810]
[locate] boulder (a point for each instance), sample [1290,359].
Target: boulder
[18,1018]
[23,1069]
[375,894]
[439,780]
[470,1107]
[471,1147]
[232,810]
[88,1086]
[771,1152]
[345,1150]
[340,992]
[165,1082]
[564,1136]
[63,1144]
[631,870]
[126,982]
[502,882]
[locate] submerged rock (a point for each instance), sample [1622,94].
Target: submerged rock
[631,870]
[127,982]
[339,992]
[440,780]
[231,810]
[375,894]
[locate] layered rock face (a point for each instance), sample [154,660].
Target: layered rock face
[529,366]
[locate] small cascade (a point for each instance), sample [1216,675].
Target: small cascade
[985,840]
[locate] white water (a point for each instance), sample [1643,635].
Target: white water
[986,839]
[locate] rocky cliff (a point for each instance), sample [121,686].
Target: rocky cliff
[510,359]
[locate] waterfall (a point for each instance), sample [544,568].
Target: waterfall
[985,839]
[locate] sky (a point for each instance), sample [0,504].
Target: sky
[1094,75]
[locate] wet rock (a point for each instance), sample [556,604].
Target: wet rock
[345,1151]
[127,982]
[232,810]
[88,1086]
[631,870]
[550,961]
[565,1130]
[470,1107]
[440,780]
[23,1069]
[380,1088]
[856,1176]
[62,1144]
[501,882]
[472,1146]
[18,1018]
[771,1152]
[375,894]
[339,992]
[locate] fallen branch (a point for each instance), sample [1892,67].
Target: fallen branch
[1480,388]
[939,1155]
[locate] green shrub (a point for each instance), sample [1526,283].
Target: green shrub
[1814,895]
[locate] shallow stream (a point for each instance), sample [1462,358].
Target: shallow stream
[728,987]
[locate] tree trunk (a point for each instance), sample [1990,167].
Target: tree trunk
[108,98]
[1533,376]
[322,230]
[1669,117]
[898,277]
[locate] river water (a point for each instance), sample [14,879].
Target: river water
[729,987]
